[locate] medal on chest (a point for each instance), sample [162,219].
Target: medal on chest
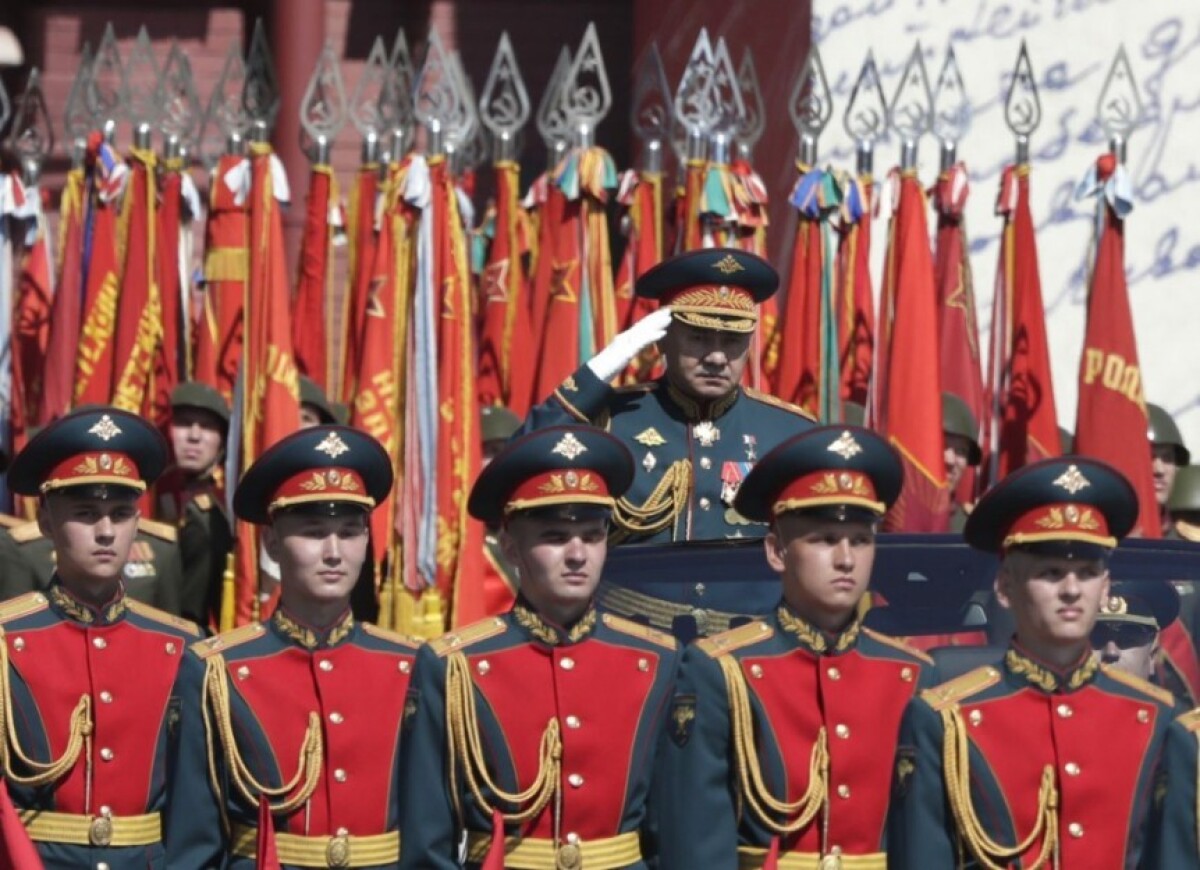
[732,475]
[706,433]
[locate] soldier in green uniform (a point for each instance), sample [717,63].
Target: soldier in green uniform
[1183,506]
[961,433]
[1046,757]
[783,731]
[315,407]
[192,497]
[1168,454]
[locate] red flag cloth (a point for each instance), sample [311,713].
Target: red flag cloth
[911,402]
[58,385]
[690,236]
[17,851]
[270,385]
[172,364]
[1179,652]
[31,323]
[641,194]
[751,206]
[94,360]
[309,320]
[363,237]
[1021,423]
[139,326]
[548,275]
[1111,418]
[265,856]
[506,353]
[856,298]
[958,329]
[220,329]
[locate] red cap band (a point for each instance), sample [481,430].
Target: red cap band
[1060,522]
[560,486]
[95,467]
[833,487]
[321,484]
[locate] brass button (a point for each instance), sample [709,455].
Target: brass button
[1075,830]
[106,697]
[975,716]
[756,671]
[572,837]
[1143,716]
[1064,710]
[573,722]
[326,665]
[405,667]
[106,754]
[566,663]
[705,463]
[842,731]
[18,643]
[1071,768]
[834,674]
[906,674]
[336,718]
[843,791]
[643,665]
[170,649]
[483,667]
[339,775]
[568,857]
[575,780]
[243,672]
[99,642]
[705,504]
[103,865]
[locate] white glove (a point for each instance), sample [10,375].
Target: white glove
[611,361]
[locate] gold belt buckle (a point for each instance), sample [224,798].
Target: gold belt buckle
[568,857]
[100,831]
[337,853]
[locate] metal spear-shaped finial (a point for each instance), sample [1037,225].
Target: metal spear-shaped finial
[373,107]
[586,95]
[866,117]
[107,87]
[179,104]
[77,118]
[465,144]
[650,112]
[753,121]
[911,113]
[727,95]
[1022,108]
[951,109]
[226,112]
[504,104]
[5,106]
[261,95]
[810,105]
[1119,108]
[695,106]
[438,99]
[142,88]
[403,76]
[552,122]
[32,135]
[323,107]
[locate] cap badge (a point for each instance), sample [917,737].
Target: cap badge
[845,446]
[1116,604]
[105,429]
[106,461]
[1072,480]
[650,437]
[333,446]
[572,479]
[728,264]
[569,447]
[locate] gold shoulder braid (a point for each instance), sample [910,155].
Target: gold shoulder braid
[217,716]
[660,509]
[990,854]
[466,749]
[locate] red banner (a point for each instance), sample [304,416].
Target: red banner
[856,300]
[58,386]
[641,194]
[549,273]
[309,320]
[31,326]
[363,237]
[172,364]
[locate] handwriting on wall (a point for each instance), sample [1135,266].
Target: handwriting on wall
[1071,44]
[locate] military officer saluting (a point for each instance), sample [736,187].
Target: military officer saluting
[695,432]
[783,731]
[1046,758]
[534,732]
[302,714]
[90,678]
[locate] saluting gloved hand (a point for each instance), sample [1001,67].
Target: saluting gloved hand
[611,361]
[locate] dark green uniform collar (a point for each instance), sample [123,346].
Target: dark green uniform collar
[1023,668]
[812,638]
[694,411]
[297,632]
[544,631]
[67,605]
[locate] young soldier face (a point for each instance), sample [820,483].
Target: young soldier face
[705,364]
[196,438]
[1162,463]
[91,536]
[958,449]
[1054,599]
[824,565]
[558,560]
[319,556]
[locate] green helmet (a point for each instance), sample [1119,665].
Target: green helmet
[497,423]
[1185,492]
[853,413]
[194,394]
[312,394]
[1066,440]
[1164,431]
[957,419]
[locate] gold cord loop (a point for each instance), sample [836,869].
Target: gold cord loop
[661,508]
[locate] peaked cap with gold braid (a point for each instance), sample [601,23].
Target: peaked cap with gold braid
[713,288]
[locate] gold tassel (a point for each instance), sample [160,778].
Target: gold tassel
[228,593]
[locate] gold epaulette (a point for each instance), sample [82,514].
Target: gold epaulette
[775,401]
[22,605]
[636,629]
[736,638]
[164,618]
[1187,531]
[230,639]
[464,637]
[897,643]
[26,532]
[1190,720]
[8,521]
[1144,686]
[158,530]
[393,636]
[951,692]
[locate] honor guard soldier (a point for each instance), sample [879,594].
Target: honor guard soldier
[961,434]
[301,715]
[783,731]
[1046,758]
[91,678]
[1168,454]
[695,432]
[192,496]
[534,732]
